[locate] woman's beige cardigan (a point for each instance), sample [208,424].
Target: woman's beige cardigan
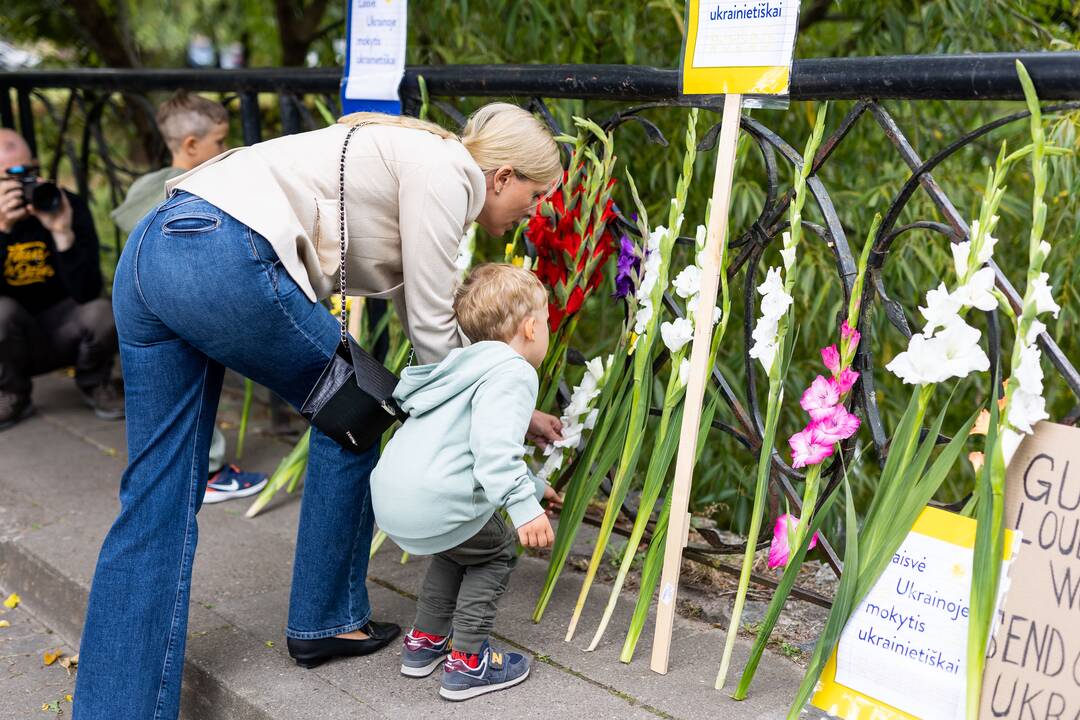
[409,197]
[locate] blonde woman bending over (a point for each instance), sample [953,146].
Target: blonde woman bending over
[228,272]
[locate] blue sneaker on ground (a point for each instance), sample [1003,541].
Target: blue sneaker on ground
[422,653]
[230,482]
[492,671]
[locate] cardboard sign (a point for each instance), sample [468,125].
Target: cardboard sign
[910,631]
[738,46]
[1033,664]
[374,55]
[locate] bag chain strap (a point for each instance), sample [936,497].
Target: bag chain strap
[342,229]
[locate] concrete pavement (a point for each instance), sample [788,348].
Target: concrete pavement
[58,477]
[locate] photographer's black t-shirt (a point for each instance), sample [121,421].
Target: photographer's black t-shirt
[34,274]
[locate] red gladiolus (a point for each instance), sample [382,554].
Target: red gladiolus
[552,231]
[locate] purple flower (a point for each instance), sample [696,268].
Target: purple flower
[627,268]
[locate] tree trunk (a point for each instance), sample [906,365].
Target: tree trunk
[298,26]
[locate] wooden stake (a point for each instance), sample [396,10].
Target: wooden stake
[679,525]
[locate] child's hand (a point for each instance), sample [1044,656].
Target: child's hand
[551,499]
[544,429]
[536,533]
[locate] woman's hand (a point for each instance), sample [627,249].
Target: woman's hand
[543,429]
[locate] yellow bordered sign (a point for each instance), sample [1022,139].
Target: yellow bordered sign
[738,46]
[844,702]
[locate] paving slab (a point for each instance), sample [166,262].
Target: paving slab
[59,473]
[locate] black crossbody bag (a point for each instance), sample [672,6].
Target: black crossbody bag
[353,400]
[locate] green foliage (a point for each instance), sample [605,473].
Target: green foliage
[862,175]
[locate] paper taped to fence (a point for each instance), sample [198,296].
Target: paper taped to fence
[738,46]
[374,55]
[910,631]
[1033,664]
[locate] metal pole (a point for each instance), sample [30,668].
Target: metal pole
[7,116]
[26,120]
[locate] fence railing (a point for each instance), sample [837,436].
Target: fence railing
[975,78]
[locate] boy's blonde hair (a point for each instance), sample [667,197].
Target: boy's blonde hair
[185,114]
[495,135]
[495,298]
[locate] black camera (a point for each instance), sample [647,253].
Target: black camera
[42,195]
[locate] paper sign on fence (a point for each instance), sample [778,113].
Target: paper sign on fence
[739,46]
[1033,668]
[374,55]
[910,631]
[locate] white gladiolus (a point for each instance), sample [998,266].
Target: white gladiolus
[1037,328]
[691,308]
[978,292]
[643,316]
[1010,440]
[953,352]
[465,249]
[578,416]
[1026,409]
[1043,295]
[774,303]
[959,349]
[688,282]
[941,307]
[677,333]
[684,372]
[917,365]
[1029,372]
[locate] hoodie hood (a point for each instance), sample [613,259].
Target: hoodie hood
[426,387]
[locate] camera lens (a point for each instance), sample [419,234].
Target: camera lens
[46,197]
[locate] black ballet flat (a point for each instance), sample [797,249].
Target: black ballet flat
[313,653]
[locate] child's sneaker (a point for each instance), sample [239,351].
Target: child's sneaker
[466,676]
[422,652]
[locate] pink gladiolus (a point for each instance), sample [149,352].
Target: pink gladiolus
[850,335]
[807,448]
[820,397]
[780,549]
[846,379]
[831,357]
[839,425]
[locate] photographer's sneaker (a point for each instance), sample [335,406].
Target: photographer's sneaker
[14,408]
[466,676]
[231,482]
[106,400]
[422,653]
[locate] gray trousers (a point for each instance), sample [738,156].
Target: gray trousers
[68,333]
[464,583]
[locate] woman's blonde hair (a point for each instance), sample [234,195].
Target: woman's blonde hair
[495,135]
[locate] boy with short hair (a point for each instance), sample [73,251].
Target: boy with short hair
[194,129]
[454,465]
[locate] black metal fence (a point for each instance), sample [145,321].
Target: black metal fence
[865,80]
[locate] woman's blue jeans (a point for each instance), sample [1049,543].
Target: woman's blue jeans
[196,291]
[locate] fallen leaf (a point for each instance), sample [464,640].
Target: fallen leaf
[69,663]
[68,697]
[50,657]
[12,601]
[54,706]
[269,643]
[4,623]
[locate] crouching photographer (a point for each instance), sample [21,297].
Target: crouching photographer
[51,315]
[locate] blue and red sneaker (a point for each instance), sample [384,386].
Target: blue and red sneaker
[230,482]
[422,652]
[466,676]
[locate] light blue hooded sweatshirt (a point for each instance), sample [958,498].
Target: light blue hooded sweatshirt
[459,456]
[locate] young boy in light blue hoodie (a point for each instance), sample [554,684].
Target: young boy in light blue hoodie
[454,465]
